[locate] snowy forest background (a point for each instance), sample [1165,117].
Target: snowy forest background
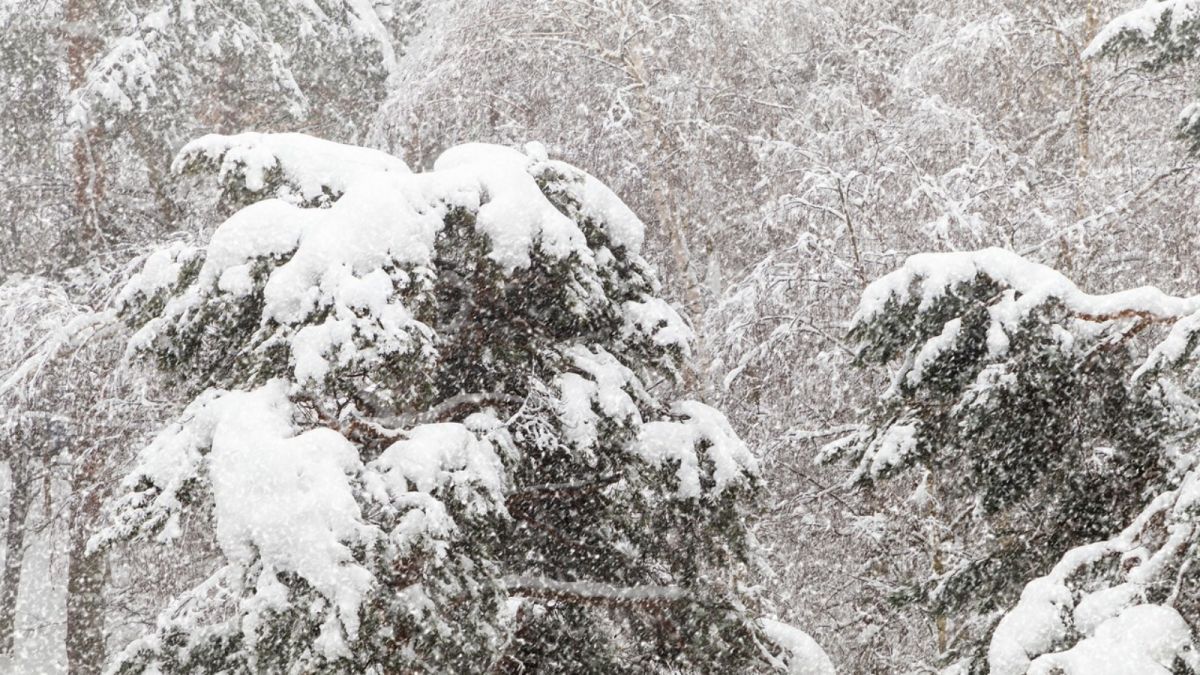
[783,155]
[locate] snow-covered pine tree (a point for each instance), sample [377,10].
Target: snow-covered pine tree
[1032,410]
[1166,34]
[426,434]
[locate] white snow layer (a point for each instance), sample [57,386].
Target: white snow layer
[287,498]
[280,496]
[700,441]
[888,450]
[1143,639]
[515,214]
[1144,21]
[654,317]
[378,236]
[1121,632]
[316,167]
[932,275]
[440,458]
[598,203]
[701,429]
[802,654]
[933,349]
[928,277]
[605,386]
[160,271]
[1172,348]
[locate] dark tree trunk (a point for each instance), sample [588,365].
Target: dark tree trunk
[85,609]
[14,540]
[85,577]
[82,44]
[157,160]
[86,572]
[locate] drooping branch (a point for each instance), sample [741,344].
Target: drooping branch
[523,505]
[380,432]
[593,592]
[443,410]
[567,490]
[1145,315]
[930,275]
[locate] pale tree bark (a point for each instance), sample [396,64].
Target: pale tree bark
[1083,113]
[659,141]
[625,52]
[1071,48]
[157,160]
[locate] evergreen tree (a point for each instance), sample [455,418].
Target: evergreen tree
[1027,402]
[1165,33]
[426,434]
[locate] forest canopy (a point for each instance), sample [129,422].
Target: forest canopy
[612,336]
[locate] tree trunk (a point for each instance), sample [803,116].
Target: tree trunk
[85,608]
[158,173]
[1083,116]
[659,142]
[14,540]
[86,574]
[82,44]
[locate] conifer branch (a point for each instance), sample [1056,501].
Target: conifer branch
[593,592]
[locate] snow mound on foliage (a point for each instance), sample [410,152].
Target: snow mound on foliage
[285,498]
[339,272]
[703,444]
[1143,22]
[436,458]
[654,317]
[802,654]
[513,212]
[280,496]
[1025,286]
[1178,345]
[598,203]
[698,441]
[315,166]
[927,277]
[159,272]
[605,385]
[1144,639]
[1119,631]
